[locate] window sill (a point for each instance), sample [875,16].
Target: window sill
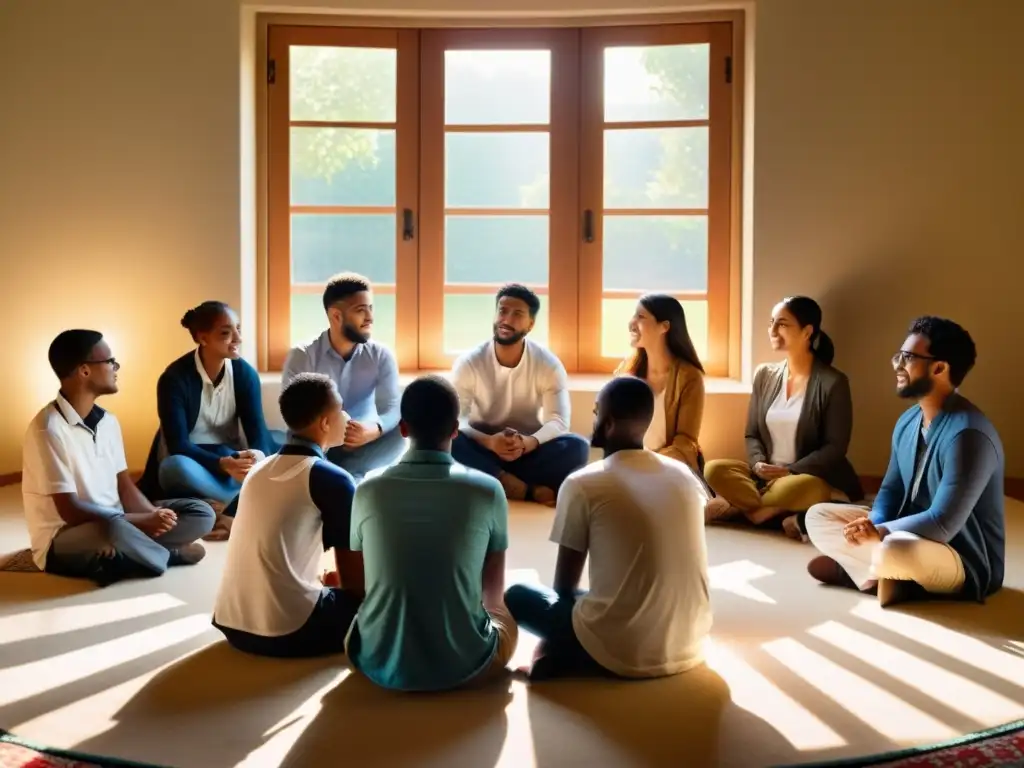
[578,382]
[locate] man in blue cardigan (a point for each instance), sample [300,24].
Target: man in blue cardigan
[937,526]
[364,371]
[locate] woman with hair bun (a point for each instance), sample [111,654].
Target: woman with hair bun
[212,430]
[799,423]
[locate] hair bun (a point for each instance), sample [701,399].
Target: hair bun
[188,318]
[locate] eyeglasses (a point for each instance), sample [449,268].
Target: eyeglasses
[109,361]
[902,359]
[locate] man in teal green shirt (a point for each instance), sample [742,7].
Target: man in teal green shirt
[433,535]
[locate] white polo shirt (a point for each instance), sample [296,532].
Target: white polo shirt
[640,516]
[64,453]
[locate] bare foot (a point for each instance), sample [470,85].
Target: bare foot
[762,515]
[544,495]
[107,551]
[791,527]
[515,489]
[221,529]
[716,509]
[218,506]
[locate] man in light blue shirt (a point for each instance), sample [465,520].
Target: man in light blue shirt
[433,535]
[364,371]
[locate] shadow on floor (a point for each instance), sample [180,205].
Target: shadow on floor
[233,704]
[1002,615]
[19,588]
[679,720]
[360,724]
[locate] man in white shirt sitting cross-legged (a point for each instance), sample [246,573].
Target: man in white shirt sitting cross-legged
[504,386]
[640,517]
[292,508]
[86,517]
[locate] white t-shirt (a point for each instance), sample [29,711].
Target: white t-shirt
[656,438]
[493,397]
[217,423]
[782,418]
[640,516]
[64,453]
[270,582]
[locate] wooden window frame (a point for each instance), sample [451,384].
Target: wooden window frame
[575,274]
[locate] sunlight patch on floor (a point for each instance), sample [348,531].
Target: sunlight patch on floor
[954,691]
[736,577]
[965,649]
[53,621]
[761,697]
[888,714]
[25,680]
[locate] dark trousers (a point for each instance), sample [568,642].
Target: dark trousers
[75,550]
[547,466]
[542,612]
[322,634]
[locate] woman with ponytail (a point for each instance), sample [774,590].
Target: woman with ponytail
[798,429]
[212,429]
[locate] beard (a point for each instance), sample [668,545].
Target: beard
[917,388]
[515,338]
[353,334]
[598,439]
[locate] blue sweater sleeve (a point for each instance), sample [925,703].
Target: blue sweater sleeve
[890,494]
[172,408]
[332,489]
[249,406]
[968,462]
[387,397]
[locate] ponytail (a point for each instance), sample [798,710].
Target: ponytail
[822,348]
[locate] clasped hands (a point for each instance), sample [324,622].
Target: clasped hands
[509,445]
[237,466]
[862,531]
[770,471]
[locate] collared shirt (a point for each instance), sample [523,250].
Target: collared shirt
[293,507]
[367,381]
[425,526]
[640,517]
[217,423]
[532,397]
[64,453]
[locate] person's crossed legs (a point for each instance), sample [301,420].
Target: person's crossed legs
[542,612]
[535,476]
[900,557]
[107,551]
[382,452]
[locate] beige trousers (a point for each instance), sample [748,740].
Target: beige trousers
[901,556]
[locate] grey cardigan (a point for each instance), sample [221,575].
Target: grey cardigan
[822,433]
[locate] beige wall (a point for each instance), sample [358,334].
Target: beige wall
[888,160]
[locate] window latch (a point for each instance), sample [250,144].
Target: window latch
[408,224]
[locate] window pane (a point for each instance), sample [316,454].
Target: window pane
[497,170]
[497,87]
[323,245]
[616,314]
[664,82]
[469,321]
[346,84]
[342,166]
[656,168]
[496,249]
[309,319]
[658,253]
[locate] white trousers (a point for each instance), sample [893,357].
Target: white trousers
[901,556]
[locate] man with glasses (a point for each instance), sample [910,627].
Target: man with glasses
[86,518]
[937,526]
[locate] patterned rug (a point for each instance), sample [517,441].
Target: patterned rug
[15,753]
[1002,746]
[21,562]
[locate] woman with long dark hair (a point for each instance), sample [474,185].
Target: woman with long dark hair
[664,356]
[798,429]
[212,429]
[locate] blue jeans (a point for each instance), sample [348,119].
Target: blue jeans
[544,613]
[381,452]
[187,478]
[74,551]
[547,466]
[323,633]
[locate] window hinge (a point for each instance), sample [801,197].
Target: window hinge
[728,69]
[271,71]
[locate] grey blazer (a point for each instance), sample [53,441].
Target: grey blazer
[822,433]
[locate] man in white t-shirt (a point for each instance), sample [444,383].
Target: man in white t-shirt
[640,516]
[292,508]
[514,399]
[85,515]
